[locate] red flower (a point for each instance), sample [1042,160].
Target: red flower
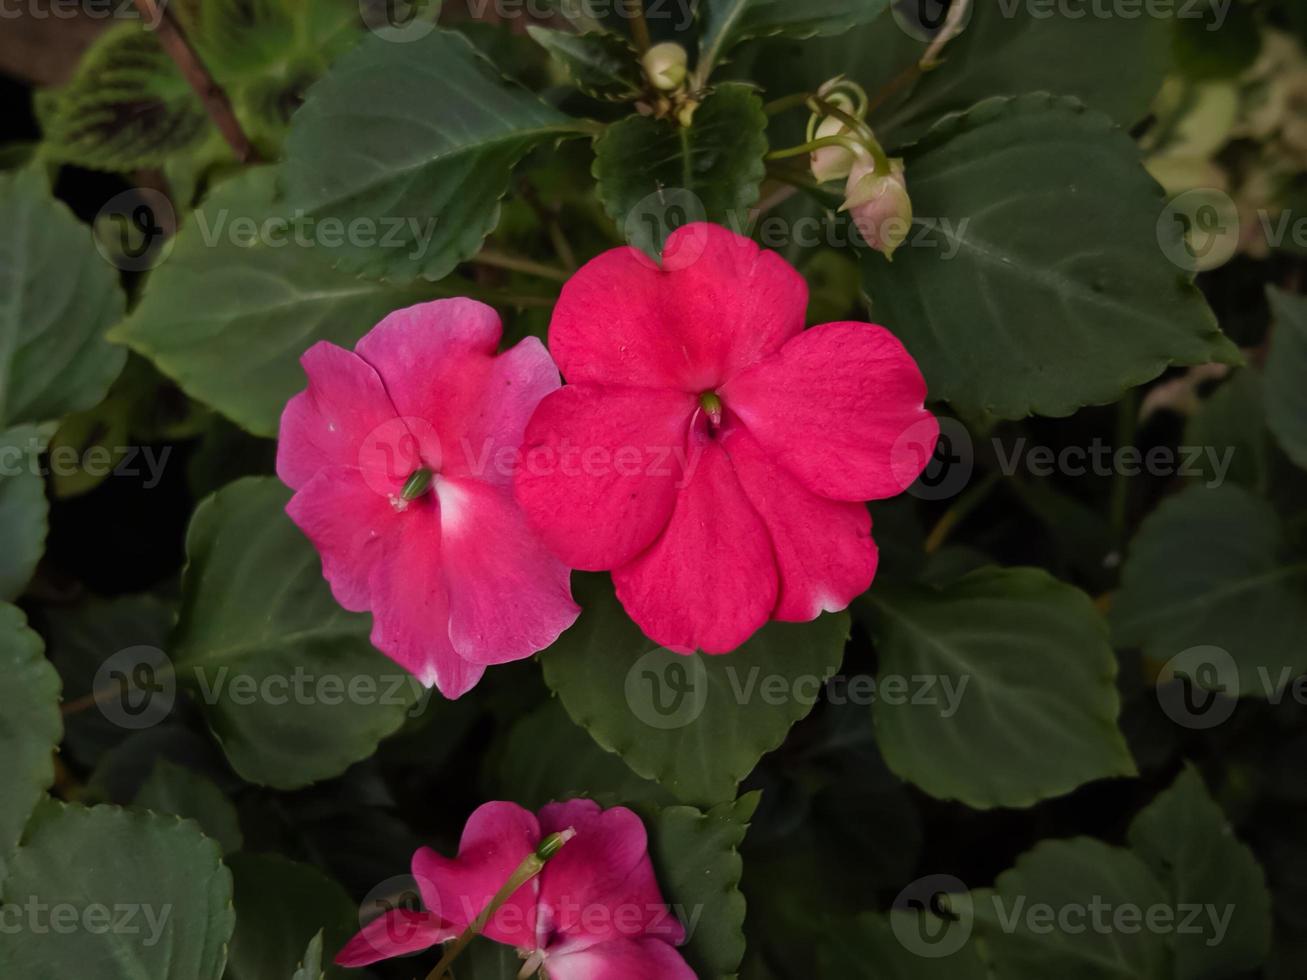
[593,913]
[390,452]
[708,450]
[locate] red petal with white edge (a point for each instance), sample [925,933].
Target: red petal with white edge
[397,932]
[497,838]
[841,407]
[716,305]
[601,885]
[327,423]
[488,447]
[599,470]
[823,547]
[347,520]
[710,580]
[620,959]
[410,603]
[508,595]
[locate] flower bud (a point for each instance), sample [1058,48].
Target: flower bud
[879,204]
[665,65]
[831,162]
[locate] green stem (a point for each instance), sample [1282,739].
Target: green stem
[797,151]
[531,866]
[967,503]
[1127,420]
[865,136]
[515,263]
[786,102]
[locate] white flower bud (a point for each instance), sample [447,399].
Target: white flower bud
[665,66]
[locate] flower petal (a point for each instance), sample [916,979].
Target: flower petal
[717,304]
[435,359]
[824,550]
[410,603]
[621,959]
[600,468]
[396,932]
[601,885]
[497,838]
[840,406]
[488,445]
[328,422]
[710,580]
[346,519]
[508,595]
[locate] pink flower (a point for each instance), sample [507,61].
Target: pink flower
[389,453]
[710,451]
[594,913]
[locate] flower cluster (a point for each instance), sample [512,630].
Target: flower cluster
[769,439]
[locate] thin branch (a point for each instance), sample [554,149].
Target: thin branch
[214,99]
[639,27]
[514,263]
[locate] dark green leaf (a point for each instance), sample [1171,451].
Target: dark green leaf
[23,507]
[1034,279]
[601,64]
[30,727]
[286,678]
[1023,705]
[1286,367]
[655,175]
[1010,48]
[400,133]
[174,789]
[697,724]
[1207,569]
[1229,430]
[1185,838]
[227,316]
[150,894]
[58,296]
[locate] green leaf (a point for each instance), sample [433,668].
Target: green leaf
[174,789]
[30,726]
[227,316]
[286,678]
[445,146]
[1025,705]
[1230,429]
[601,64]
[281,906]
[696,857]
[24,512]
[1033,280]
[546,756]
[697,724]
[57,296]
[127,107]
[310,967]
[655,175]
[150,895]
[1064,881]
[1286,366]
[1208,569]
[1010,48]
[725,23]
[868,947]
[1185,838]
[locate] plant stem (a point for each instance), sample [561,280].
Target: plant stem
[786,102]
[967,503]
[213,98]
[1127,420]
[515,263]
[639,27]
[803,148]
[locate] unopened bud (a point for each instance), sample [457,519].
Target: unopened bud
[879,204]
[665,66]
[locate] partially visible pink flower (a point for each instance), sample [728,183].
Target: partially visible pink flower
[390,453]
[594,913]
[721,453]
